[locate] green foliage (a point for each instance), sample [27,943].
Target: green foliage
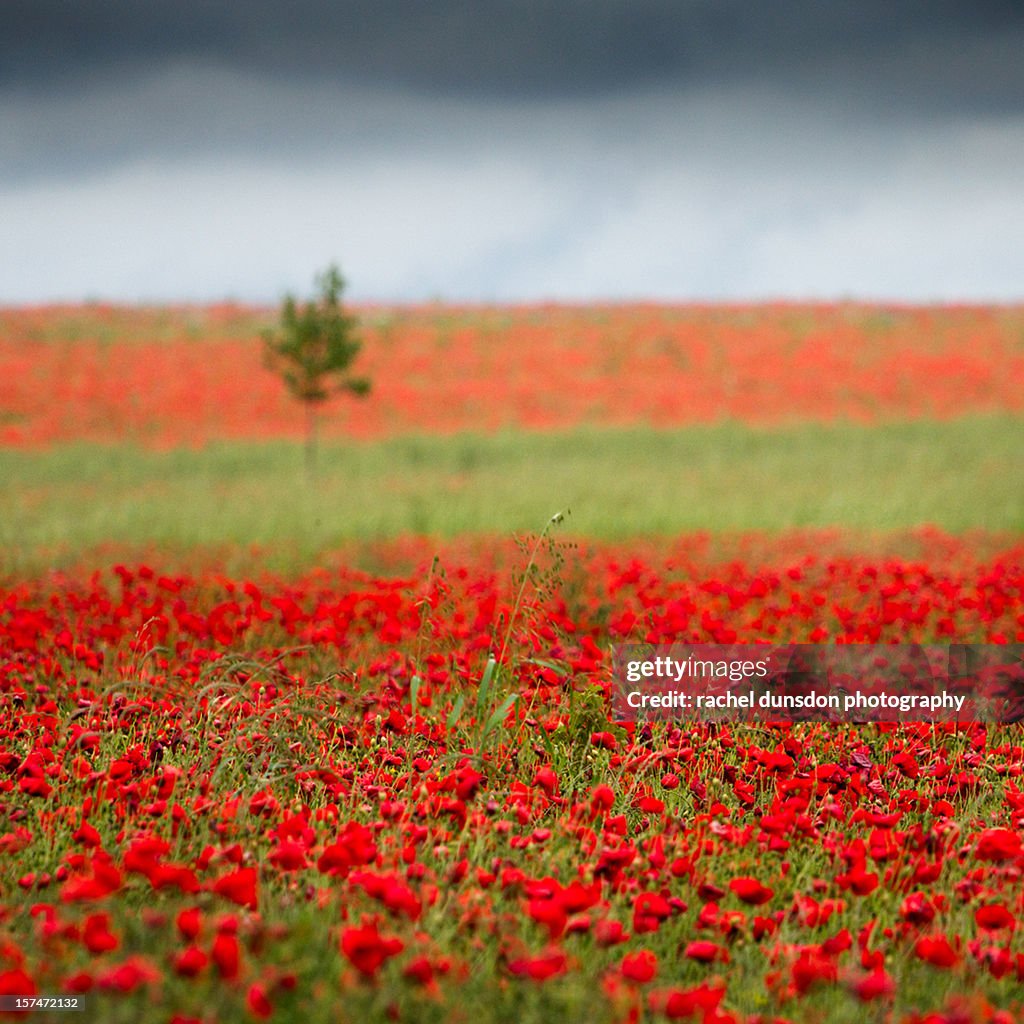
[316,344]
[313,348]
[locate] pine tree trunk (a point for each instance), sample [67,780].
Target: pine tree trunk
[311,441]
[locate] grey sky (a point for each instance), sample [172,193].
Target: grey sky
[512,150]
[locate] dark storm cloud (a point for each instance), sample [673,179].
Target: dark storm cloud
[939,54]
[512,149]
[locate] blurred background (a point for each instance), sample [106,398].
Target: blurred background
[684,267]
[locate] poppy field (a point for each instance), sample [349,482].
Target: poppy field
[188,377]
[379,781]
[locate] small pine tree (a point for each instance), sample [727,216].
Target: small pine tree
[312,350]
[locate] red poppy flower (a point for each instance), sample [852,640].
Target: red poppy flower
[16,982]
[993,916]
[812,967]
[858,880]
[96,934]
[998,844]
[135,972]
[936,950]
[354,847]
[420,971]
[917,908]
[640,967]
[190,962]
[550,913]
[239,887]
[876,985]
[104,880]
[609,932]
[547,780]
[367,949]
[649,910]
[189,922]
[706,952]
[225,954]
[751,891]
[288,856]
[679,1004]
[540,968]
[258,1003]
[87,835]
[80,981]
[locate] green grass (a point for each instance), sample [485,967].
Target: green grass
[59,504]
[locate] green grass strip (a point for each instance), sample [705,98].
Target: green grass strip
[961,475]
